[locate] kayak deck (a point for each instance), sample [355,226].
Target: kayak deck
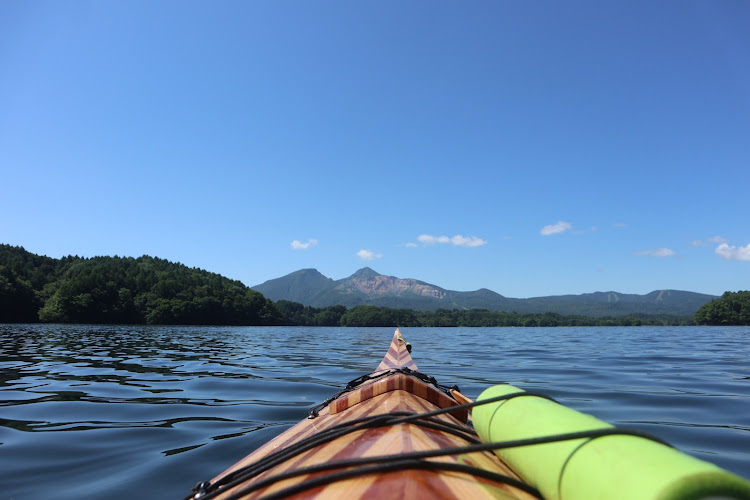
[339,431]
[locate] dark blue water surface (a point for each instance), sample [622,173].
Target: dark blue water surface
[123,411]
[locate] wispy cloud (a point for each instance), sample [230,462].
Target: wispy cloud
[560,227]
[457,240]
[592,229]
[731,252]
[705,243]
[467,241]
[657,252]
[411,244]
[298,245]
[427,239]
[368,255]
[619,224]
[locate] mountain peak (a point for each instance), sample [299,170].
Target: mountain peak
[296,287]
[364,274]
[306,272]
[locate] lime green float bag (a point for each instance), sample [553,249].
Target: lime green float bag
[616,467]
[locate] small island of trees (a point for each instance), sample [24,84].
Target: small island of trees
[732,308]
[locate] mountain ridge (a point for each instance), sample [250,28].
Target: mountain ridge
[368,287]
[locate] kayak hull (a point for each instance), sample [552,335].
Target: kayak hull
[397,433]
[390,391]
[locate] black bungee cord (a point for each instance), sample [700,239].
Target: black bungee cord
[390,463]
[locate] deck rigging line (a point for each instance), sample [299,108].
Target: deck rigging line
[352,385]
[391,463]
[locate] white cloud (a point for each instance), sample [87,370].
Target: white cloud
[560,227]
[704,243]
[657,252]
[298,245]
[427,239]
[411,245]
[619,224]
[457,240]
[470,241]
[731,252]
[663,252]
[368,255]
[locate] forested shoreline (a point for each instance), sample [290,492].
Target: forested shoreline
[149,290]
[123,290]
[296,314]
[732,308]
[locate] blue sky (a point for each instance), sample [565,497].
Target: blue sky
[533,148]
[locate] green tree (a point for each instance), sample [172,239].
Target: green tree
[18,299]
[123,290]
[732,308]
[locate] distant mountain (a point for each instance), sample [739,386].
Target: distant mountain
[366,286]
[298,286]
[673,302]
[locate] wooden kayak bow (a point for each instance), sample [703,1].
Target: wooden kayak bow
[370,441]
[397,433]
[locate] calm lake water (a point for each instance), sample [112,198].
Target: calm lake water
[116,412]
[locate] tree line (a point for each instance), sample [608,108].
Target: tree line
[123,290]
[364,315]
[296,314]
[148,290]
[732,308]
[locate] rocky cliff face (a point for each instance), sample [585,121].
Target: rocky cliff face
[375,285]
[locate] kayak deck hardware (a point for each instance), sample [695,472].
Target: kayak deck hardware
[391,384]
[406,460]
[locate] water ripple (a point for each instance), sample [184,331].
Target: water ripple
[94,410]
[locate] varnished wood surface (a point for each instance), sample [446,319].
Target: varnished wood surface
[397,382]
[398,355]
[410,394]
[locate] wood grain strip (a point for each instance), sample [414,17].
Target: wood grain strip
[396,382]
[398,355]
